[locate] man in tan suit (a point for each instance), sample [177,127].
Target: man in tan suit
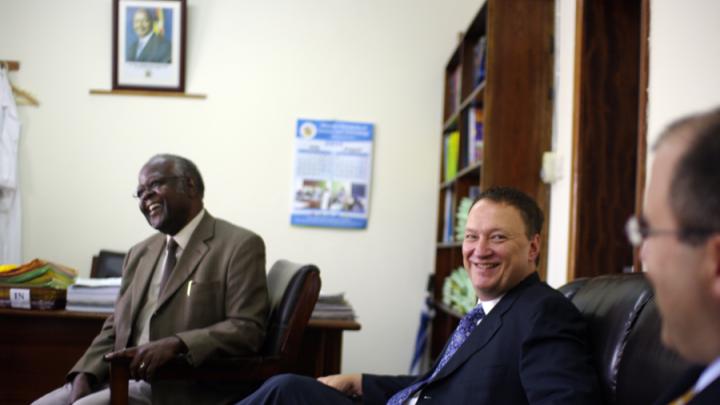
[197,289]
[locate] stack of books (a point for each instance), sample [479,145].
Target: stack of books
[333,306]
[37,284]
[93,294]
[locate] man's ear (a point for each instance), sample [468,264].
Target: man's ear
[534,248]
[191,186]
[713,258]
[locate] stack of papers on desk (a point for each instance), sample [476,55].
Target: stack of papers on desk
[93,294]
[37,284]
[37,273]
[333,306]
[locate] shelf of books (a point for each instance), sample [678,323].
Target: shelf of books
[463,131]
[496,125]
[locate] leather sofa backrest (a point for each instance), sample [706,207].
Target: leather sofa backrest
[624,328]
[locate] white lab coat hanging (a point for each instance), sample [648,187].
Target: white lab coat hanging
[9,182]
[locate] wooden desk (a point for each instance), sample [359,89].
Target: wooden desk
[28,338]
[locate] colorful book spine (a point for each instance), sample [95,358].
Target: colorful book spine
[479,57]
[448,215]
[475,135]
[455,89]
[452,154]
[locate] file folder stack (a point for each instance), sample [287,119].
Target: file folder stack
[93,294]
[38,284]
[333,306]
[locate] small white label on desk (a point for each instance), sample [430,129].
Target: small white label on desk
[20,298]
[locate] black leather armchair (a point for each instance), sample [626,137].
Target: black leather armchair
[624,324]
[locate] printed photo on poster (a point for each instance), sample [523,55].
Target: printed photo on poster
[149,44]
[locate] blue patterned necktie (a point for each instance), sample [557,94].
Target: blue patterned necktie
[463,330]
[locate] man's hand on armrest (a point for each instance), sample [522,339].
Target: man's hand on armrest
[350,384]
[145,359]
[81,386]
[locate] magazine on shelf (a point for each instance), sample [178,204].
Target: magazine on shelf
[479,57]
[448,215]
[455,88]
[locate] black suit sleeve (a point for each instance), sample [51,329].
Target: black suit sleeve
[555,365]
[377,389]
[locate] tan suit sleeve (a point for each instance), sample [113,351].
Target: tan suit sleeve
[246,306]
[92,360]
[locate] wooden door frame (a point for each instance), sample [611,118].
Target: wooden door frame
[578,242]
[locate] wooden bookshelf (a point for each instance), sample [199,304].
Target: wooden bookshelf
[512,103]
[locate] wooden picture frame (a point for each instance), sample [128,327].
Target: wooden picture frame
[149,45]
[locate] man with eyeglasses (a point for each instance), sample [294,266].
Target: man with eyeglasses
[679,236]
[196,289]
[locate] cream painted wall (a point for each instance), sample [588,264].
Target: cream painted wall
[262,65]
[684,61]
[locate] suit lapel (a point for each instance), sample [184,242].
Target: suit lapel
[190,258]
[487,329]
[143,276]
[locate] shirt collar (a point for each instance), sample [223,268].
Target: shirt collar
[489,305]
[710,374]
[183,237]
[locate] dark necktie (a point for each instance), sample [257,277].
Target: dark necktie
[463,330]
[169,264]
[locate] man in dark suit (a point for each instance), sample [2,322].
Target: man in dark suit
[196,289]
[524,343]
[680,236]
[149,47]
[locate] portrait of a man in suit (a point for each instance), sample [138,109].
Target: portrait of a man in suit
[144,43]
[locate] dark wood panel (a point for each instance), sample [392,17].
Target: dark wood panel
[38,349]
[606,135]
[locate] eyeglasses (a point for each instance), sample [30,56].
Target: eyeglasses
[638,230]
[154,186]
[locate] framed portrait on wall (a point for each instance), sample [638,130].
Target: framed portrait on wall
[149,45]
